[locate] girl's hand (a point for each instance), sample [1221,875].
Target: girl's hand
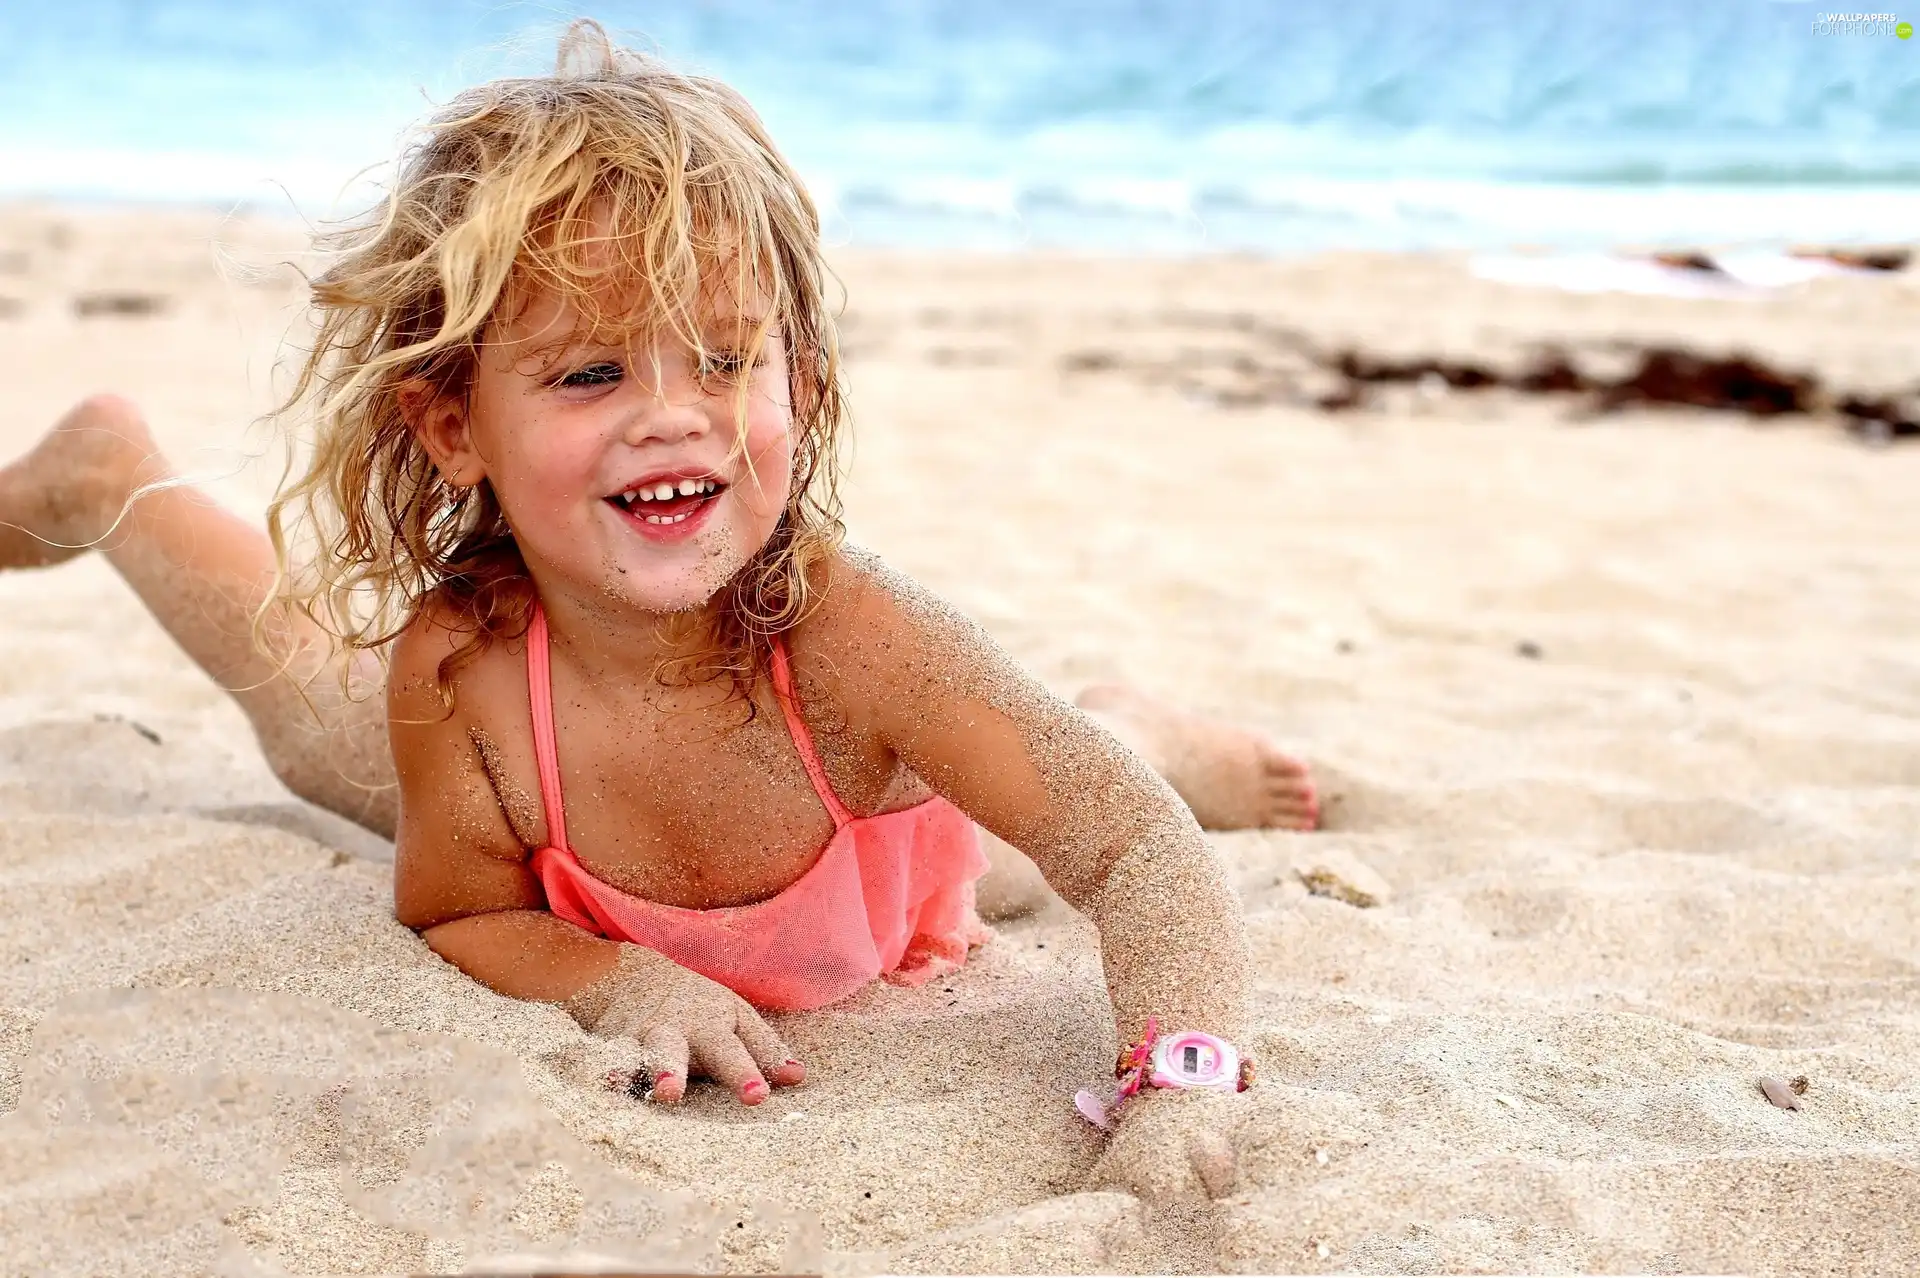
[1172,1146]
[672,1014]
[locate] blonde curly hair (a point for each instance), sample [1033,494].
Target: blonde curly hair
[614,177]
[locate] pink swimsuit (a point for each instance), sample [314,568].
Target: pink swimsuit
[890,896]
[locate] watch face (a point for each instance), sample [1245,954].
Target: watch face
[1193,1059]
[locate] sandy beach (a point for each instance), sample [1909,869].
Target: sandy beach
[1618,716]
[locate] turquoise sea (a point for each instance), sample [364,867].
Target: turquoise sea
[1134,124]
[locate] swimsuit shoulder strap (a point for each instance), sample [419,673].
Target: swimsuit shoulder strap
[802,739]
[546,748]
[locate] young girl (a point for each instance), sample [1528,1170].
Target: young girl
[666,751]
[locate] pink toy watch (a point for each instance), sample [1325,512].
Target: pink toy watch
[1183,1060]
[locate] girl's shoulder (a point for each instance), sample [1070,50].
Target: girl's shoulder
[435,667]
[873,627]
[858,604]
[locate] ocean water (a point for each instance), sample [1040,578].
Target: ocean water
[1144,125]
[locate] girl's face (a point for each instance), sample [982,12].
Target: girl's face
[617,465]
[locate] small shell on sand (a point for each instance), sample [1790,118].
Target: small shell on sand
[1342,877]
[1781,1092]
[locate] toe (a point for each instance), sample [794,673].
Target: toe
[1278,763]
[1292,794]
[1297,794]
[1293,811]
[1299,821]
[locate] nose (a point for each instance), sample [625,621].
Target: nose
[673,411]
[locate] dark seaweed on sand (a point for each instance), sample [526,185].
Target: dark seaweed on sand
[1340,379]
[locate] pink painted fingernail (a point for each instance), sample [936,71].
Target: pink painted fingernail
[753,1091]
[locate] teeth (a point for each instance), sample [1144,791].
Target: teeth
[666,490]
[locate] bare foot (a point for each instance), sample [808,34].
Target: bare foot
[1232,778]
[68,494]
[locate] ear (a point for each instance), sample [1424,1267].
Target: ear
[440,422]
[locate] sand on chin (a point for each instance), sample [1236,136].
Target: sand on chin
[1619,723]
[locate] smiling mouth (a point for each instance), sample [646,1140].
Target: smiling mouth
[667,502]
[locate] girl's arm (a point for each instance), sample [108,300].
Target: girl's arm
[1109,835]
[460,877]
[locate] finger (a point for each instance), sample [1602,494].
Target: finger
[726,1060]
[667,1055]
[768,1050]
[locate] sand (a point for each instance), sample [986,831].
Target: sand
[1619,720]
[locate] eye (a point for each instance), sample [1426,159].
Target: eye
[723,365]
[602,373]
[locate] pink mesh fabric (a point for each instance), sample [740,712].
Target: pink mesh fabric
[891,896]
